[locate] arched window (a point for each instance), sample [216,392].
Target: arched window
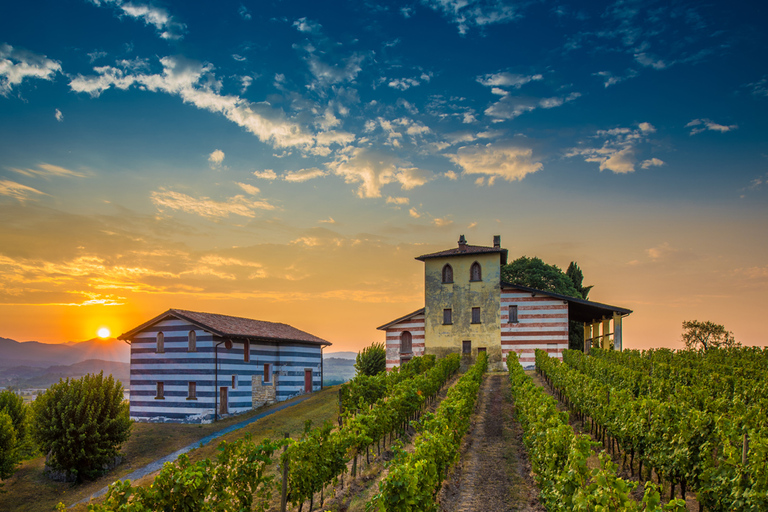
[160,348]
[475,273]
[447,273]
[192,337]
[405,343]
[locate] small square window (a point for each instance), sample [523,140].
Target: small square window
[475,315]
[447,317]
[513,315]
[192,393]
[160,391]
[466,347]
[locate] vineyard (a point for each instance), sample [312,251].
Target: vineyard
[680,422]
[695,420]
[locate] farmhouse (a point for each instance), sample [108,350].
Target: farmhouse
[192,367]
[467,309]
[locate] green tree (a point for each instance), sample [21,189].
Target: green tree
[81,424]
[705,335]
[14,406]
[371,360]
[9,447]
[576,329]
[534,273]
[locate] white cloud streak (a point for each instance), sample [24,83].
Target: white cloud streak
[506,160]
[206,207]
[18,191]
[702,125]
[166,25]
[618,152]
[17,64]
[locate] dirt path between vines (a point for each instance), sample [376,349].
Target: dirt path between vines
[493,473]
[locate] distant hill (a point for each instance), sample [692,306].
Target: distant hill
[42,355]
[337,370]
[24,377]
[341,355]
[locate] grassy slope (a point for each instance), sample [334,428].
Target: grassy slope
[29,490]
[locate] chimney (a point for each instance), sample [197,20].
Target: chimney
[462,243]
[496,241]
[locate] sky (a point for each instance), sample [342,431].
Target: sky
[288,160]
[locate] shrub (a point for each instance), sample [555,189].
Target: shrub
[81,423]
[371,360]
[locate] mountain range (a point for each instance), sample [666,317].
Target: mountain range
[43,355]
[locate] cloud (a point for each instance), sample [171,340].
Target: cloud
[243,12]
[46,170]
[18,191]
[507,80]
[216,158]
[660,251]
[510,107]
[759,88]
[249,189]
[329,220]
[397,200]
[619,149]
[413,212]
[451,175]
[403,84]
[195,83]
[506,160]
[373,169]
[303,175]
[474,13]
[701,125]
[610,79]
[653,162]
[266,174]
[58,115]
[442,222]
[205,207]
[649,61]
[307,26]
[17,64]
[165,24]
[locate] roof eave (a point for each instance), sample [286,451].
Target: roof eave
[584,302]
[402,318]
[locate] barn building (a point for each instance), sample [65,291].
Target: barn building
[191,367]
[468,308]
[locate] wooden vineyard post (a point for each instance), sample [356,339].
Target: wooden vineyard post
[284,493]
[744,450]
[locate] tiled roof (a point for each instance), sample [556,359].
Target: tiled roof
[461,251]
[235,327]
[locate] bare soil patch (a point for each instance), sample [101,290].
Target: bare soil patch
[494,473]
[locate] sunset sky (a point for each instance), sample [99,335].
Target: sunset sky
[287,160]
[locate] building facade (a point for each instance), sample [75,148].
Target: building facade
[468,308]
[193,367]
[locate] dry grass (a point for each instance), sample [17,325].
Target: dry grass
[29,490]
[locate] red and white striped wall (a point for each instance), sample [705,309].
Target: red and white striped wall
[413,325]
[542,324]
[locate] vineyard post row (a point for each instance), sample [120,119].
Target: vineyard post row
[712,451]
[559,456]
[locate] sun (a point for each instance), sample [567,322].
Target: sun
[104,332]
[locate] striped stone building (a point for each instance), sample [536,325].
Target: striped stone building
[468,308]
[192,367]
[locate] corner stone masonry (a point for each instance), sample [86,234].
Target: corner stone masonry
[263,393]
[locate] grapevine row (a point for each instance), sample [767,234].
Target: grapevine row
[239,480]
[415,478]
[681,443]
[559,456]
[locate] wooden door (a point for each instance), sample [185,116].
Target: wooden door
[223,400]
[307,381]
